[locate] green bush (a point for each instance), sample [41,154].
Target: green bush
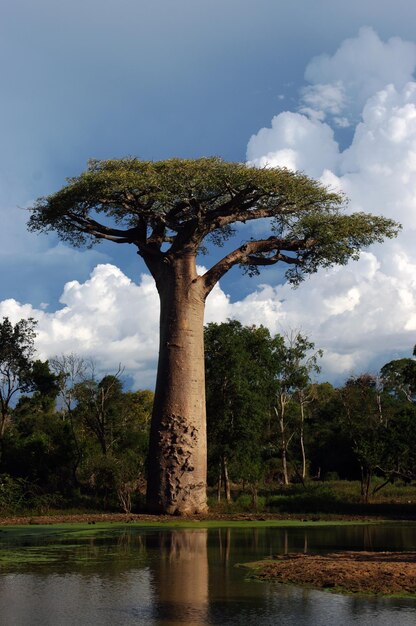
[298,499]
[12,494]
[244,502]
[331,476]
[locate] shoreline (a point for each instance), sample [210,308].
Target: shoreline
[93,518]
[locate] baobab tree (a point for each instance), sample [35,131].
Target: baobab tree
[168,210]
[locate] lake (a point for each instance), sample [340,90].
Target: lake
[126,574]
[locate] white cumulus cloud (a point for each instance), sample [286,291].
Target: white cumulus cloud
[365,313]
[108,318]
[360,67]
[292,142]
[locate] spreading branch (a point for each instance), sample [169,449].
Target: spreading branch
[168,209]
[248,254]
[100,231]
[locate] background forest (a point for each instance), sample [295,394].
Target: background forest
[277,440]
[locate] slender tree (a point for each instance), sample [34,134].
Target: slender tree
[70,370]
[293,371]
[399,377]
[239,384]
[305,391]
[366,424]
[99,406]
[167,210]
[16,362]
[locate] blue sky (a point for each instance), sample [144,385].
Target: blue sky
[189,78]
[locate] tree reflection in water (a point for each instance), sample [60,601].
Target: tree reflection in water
[181,577]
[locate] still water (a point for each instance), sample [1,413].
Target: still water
[159,577]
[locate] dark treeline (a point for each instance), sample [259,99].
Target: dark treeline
[71,439]
[270,423]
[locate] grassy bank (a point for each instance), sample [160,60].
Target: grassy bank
[329,499]
[395,501]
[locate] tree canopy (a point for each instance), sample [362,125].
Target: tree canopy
[169,207]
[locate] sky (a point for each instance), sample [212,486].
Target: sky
[320,86]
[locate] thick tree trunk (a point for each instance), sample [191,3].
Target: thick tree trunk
[177,453]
